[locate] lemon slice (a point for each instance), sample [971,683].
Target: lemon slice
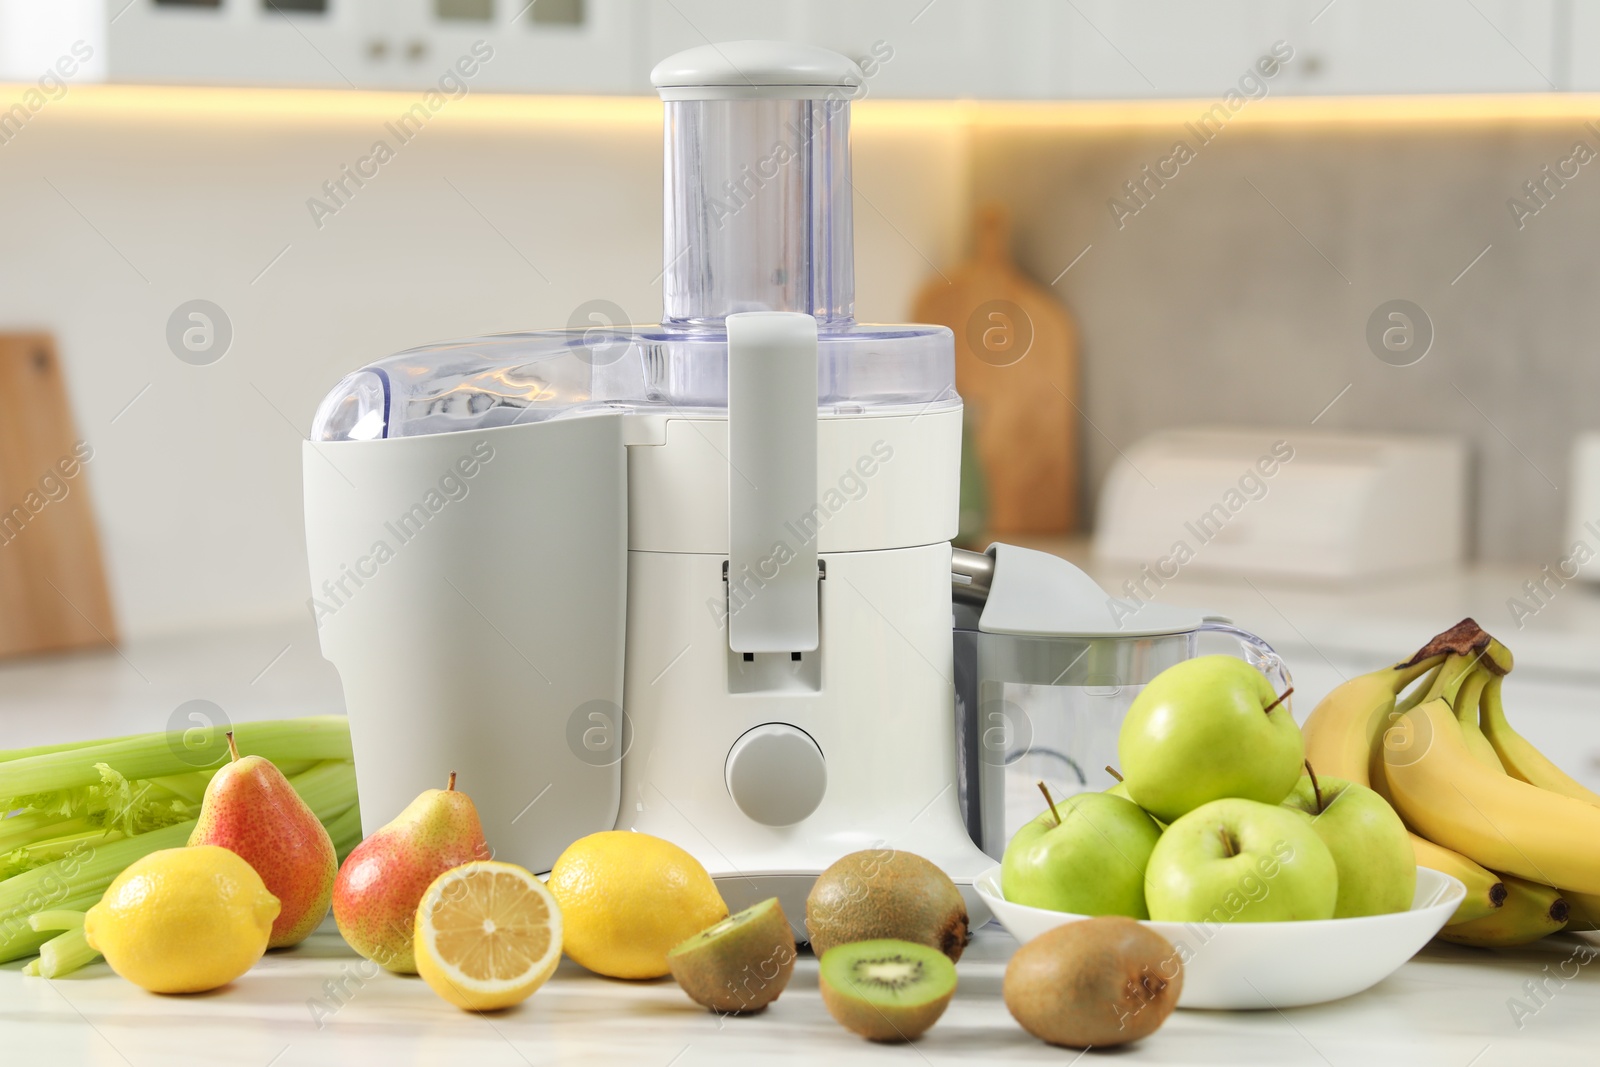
[487,935]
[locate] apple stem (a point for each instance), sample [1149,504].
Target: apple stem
[1285,696]
[1113,772]
[1316,790]
[233,749]
[1228,848]
[1048,799]
[450,786]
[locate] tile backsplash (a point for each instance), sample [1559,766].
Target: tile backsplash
[1237,288]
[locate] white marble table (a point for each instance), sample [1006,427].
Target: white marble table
[312,1005]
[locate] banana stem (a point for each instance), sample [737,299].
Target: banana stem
[1418,692]
[1451,675]
[1468,697]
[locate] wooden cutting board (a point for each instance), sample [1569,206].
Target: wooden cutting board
[1017,370]
[52,584]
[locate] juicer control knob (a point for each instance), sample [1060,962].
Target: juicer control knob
[776,774]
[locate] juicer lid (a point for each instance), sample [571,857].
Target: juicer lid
[1036,594]
[757,70]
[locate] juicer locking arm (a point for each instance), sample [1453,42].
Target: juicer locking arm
[971,575]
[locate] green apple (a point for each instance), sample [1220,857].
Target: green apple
[1089,862]
[1119,790]
[1241,861]
[1201,731]
[1369,844]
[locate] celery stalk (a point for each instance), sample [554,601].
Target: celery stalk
[56,919]
[65,746]
[345,830]
[19,831]
[31,969]
[323,737]
[64,954]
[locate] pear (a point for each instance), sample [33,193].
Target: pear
[376,894]
[251,810]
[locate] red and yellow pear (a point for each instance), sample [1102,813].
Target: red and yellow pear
[251,810]
[376,893]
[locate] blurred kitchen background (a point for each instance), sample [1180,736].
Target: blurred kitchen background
[1375,246]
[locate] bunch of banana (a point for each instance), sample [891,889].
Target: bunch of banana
[1461,778]
[1531,911]
[1345,736]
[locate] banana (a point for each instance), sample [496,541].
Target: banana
[1531,911]
[1519,758]
[1443,684]
[1485,891]
[1345,727]
[1507,825]
[1583,910]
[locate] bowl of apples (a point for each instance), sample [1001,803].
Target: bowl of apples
[1274,887]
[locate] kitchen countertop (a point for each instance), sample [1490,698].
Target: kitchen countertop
[316,1004]
[1377,620]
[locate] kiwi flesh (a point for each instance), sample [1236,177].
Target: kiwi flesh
[886,990]
[738,965]
[885,893]
[1101,982]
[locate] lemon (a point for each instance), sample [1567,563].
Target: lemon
[487,935]
[183,920]
[627,899]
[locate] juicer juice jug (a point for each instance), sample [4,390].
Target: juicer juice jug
[691,579]
[1046,666]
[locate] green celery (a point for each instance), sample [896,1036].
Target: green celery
[16,943]
[64,746]
[64,954]
[323,737]
[20,831]
[56,919]
[345,830]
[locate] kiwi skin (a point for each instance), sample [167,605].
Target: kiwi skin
[884,1021]
[884,893]
[743,967]
[1102,982]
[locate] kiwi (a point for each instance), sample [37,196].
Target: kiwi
[882,893]
[886,990]
[1102,982]
[740,964]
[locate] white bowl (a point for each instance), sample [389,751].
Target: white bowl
[1273,965]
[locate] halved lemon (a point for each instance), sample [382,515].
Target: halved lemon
[487,935]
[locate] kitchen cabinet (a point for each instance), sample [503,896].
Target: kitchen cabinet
[1150,48]
[565,46]
[941,49]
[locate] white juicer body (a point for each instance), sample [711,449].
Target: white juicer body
[875,767]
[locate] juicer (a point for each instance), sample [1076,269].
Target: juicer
[690,579]
[695,579]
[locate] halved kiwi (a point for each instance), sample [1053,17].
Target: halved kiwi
[886,990]
[740,964]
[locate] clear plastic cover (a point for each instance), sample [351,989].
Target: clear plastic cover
[530,377]
[757,219]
